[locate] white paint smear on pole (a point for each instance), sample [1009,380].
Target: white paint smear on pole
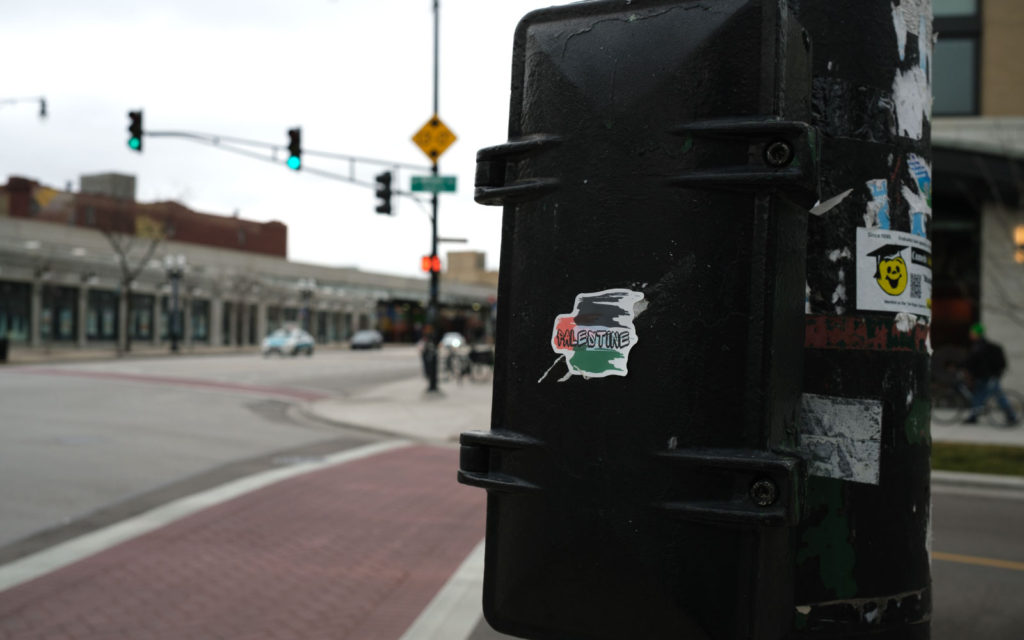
[841,437]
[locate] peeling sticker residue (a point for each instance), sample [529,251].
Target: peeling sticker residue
[841,437]
[913,100]
[839,295]
[822,208]
[919,200]
[877,212]
[836,254]
[901,30]
[905,322]
[894,608]
[596,337]
[912,87]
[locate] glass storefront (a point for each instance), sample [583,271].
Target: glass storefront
[101,315]
[59,314]
[140,316]
[15,311]
[201,320]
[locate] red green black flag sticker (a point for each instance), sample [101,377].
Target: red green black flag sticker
[597,336]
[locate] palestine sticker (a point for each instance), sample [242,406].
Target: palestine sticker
[596,337]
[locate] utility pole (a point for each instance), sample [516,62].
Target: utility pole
[863,560]
[433,312]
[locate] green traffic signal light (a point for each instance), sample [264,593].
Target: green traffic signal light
[295,149]
[135,130]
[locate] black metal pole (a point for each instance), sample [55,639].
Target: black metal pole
[863,566]
[433,312]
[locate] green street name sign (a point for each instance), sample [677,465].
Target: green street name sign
[433,184]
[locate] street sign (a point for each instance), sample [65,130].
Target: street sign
[434,138]
[434,184]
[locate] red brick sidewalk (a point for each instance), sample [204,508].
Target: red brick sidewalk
[354,551]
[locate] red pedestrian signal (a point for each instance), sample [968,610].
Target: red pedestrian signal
[431,264]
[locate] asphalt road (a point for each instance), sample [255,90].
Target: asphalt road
[80,437]
[978,564]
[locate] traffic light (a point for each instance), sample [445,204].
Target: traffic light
[135,130]
[431,264]
[384,192]
[295,148]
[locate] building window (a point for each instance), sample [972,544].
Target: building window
[201,320]
[140,316]
[59,313]
[14,311]
[955,73]
[101,315]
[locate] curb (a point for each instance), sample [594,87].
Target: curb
[977,480]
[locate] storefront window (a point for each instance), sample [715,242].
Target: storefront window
[101,315]
[59,313]
[201,320]
[14,311]
[140,317]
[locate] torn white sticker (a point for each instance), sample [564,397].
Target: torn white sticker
[894,272]
[841,437]
[597,336]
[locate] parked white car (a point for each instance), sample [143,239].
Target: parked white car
[288,341]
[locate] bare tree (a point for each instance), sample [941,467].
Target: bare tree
[149,234]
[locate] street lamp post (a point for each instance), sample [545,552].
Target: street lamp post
[175,266]
[306,288]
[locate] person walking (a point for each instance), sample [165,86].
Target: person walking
[986,363]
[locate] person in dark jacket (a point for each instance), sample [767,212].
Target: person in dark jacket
[986,363]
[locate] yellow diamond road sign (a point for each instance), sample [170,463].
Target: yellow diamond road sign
[434,138]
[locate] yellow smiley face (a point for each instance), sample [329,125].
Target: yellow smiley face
[892,276]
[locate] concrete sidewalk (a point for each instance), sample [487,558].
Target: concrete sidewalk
[405,409]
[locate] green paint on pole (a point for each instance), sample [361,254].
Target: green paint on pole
[825,537]
[918,425]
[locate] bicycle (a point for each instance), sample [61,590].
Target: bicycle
[475,365]
[952,404]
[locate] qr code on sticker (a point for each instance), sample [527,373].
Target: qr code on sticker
[915,286]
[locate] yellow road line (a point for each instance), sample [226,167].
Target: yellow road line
[976,560]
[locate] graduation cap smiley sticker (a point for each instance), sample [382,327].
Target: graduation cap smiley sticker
[890,268]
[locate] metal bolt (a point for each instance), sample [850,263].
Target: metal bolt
[778,153]
[764,492]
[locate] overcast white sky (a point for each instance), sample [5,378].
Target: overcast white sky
[356,75]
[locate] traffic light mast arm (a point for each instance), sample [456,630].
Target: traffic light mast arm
[214,139]
[40,99]
[227,143]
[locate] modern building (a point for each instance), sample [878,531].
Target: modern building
[978,177]
[98,269]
